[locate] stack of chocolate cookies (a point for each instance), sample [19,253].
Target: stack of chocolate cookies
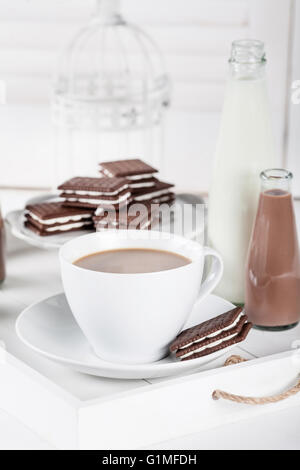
[127,194]
[147,194]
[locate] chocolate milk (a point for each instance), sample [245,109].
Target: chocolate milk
[2,250]
[273,267]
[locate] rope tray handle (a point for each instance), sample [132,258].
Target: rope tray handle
[220,394]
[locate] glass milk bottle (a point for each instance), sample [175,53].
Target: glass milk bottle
[273,267]
[245,147]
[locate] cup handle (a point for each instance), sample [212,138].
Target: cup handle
[215,273]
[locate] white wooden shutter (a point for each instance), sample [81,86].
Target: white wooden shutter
[293,141]
[195,36]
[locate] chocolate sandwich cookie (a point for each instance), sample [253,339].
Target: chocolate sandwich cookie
[137,186]
[93,192]
[223,344]
[212,335]
[139,174]
[160,190]
[57,231]
[53,218]
[133,169]
[166,199]
[211,341]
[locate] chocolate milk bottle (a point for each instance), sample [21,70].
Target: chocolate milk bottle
[2,249]
[273,266]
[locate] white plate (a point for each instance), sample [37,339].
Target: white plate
[15,220]
[49,328]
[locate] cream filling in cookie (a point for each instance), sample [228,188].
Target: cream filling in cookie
[132,178]
[67,227]
[142,185]
[59,220]
[211,345]
[100,201]
[96,193]
[216,333]
[140,177]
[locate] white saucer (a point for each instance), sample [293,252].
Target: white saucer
[16,221]
[49,328]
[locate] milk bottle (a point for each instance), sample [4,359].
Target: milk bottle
[245,147]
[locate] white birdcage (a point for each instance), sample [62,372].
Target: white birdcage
[110,95]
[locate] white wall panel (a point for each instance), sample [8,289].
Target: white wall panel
[230,12]
[181,39]
[33,62]
[293,148]
[195,37]
[206,96]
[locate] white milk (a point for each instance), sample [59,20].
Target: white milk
[245,148]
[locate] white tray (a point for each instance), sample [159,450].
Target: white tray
[72,411]
[156,413]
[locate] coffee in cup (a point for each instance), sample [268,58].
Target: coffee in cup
[132,261]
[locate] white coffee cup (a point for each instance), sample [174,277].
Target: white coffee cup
[132,318]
